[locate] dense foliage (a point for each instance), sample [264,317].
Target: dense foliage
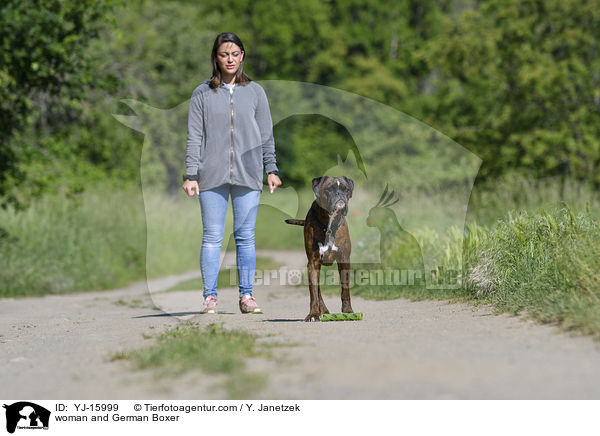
[45,70]
[515,82]
[519,84]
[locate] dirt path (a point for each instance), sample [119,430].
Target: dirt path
[59,347]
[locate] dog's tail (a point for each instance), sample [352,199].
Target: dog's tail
[295,222]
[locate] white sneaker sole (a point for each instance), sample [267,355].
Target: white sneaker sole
[257,310]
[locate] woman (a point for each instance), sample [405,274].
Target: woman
[229,145]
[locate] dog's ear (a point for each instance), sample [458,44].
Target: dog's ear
[317,182]
[350,184]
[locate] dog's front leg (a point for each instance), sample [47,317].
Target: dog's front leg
[314,269]
[344,270]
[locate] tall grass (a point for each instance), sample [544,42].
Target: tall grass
[546,264]
[98,240]
[63,245]
[528,247]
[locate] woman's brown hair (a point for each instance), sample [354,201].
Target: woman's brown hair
[240,77]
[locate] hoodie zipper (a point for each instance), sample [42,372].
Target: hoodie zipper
[231,153]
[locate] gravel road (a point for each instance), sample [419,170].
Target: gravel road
[59,347]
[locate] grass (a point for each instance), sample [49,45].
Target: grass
[545,264]
[529,247]
[62,245]
[104,239]
[211,349]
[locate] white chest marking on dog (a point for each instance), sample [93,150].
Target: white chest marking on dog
[324,248]
[338,182]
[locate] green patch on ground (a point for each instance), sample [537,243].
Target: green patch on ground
[211,349]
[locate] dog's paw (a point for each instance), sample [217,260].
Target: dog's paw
[347,309]
[312,317]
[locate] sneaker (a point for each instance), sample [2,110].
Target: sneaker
[248,305]
[210,304]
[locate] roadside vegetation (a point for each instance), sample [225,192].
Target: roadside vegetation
[545,265]
[58,245]
[97,240]
[539,260]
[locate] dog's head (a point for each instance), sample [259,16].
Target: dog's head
[333,193]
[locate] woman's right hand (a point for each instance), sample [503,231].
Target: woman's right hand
[189,186]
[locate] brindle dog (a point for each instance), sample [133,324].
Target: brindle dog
[326,239]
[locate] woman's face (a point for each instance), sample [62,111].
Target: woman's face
[229,57]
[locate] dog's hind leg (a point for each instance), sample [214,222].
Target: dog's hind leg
[344,270]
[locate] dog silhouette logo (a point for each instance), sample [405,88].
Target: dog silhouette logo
[26,415]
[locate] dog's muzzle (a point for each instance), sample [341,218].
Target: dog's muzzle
[339,206]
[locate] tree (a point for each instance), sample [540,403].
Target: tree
[519,84]
[43,58]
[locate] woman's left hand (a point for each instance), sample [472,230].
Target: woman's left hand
[273,181]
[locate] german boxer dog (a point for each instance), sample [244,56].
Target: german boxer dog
[326,239]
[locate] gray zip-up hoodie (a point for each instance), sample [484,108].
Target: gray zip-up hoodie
[230,136]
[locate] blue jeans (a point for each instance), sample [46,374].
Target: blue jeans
[214,209]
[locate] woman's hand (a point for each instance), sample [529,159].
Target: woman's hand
[189,186]
[273,182]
